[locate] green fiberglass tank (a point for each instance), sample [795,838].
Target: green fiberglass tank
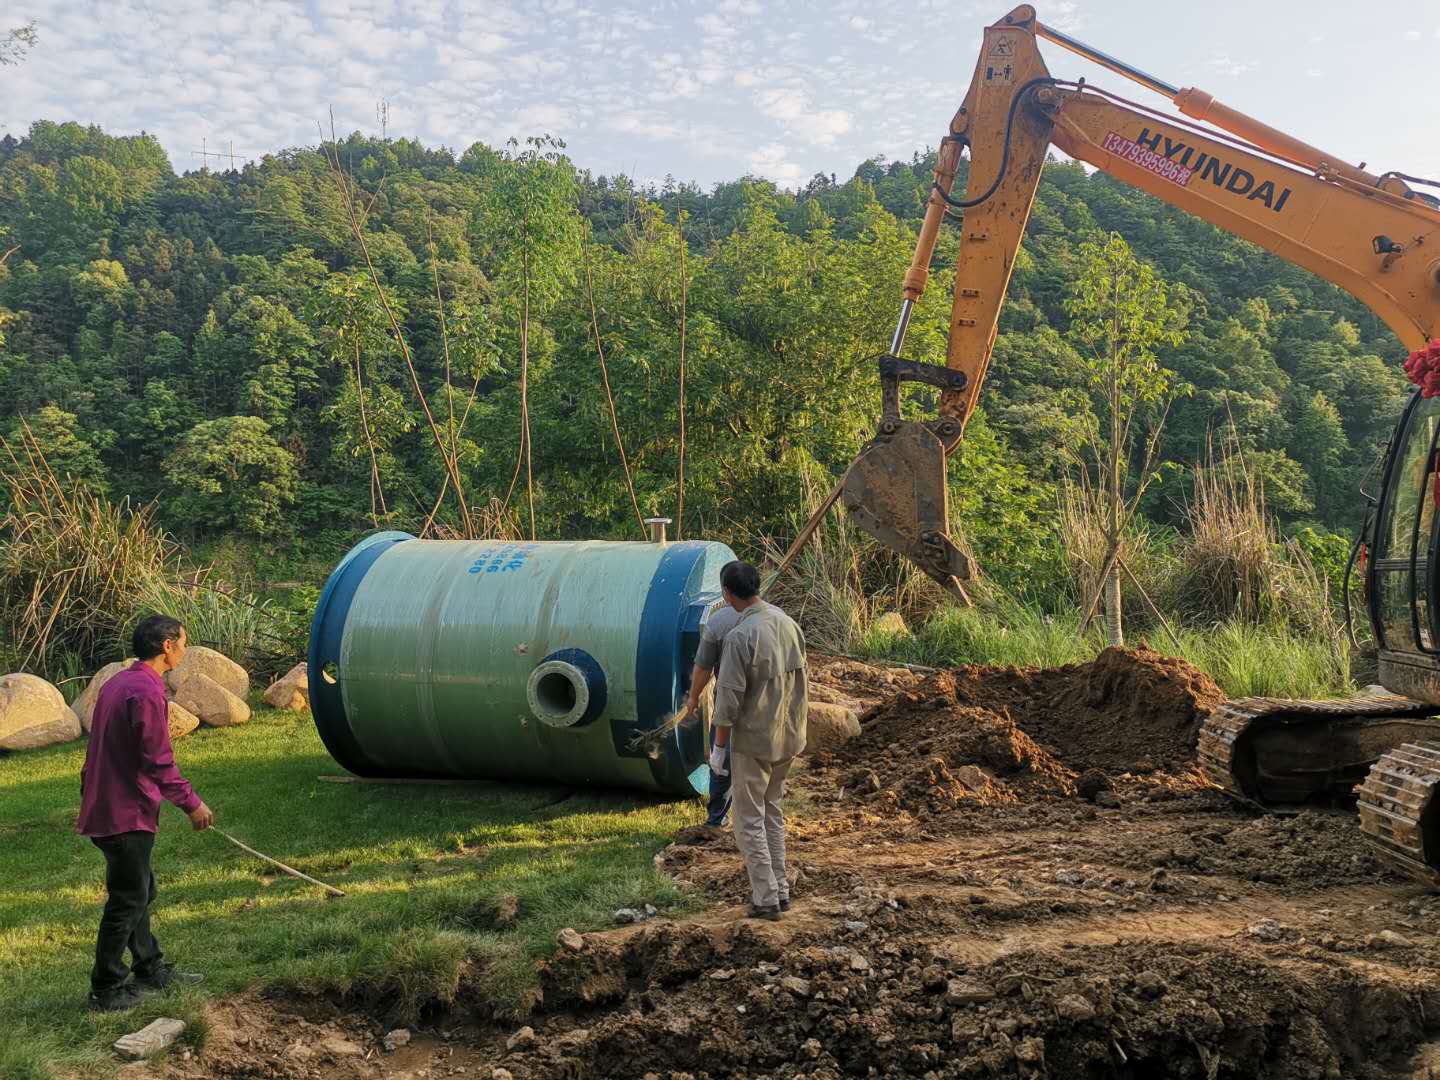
[513,661]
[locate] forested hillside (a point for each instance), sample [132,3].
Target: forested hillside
[215,342]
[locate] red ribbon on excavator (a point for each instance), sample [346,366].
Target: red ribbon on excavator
[1423,367]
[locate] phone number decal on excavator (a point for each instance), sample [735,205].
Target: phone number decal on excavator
[1148,159]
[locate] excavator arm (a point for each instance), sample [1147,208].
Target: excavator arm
[1373,236]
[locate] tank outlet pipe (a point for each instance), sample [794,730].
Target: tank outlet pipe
[656,527]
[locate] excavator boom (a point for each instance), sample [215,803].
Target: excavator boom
[1371,235]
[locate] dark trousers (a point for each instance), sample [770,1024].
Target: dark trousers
[126,922]
[719,804]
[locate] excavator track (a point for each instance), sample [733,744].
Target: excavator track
[1277,753]
[1400,809]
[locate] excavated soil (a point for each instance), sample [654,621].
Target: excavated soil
[1126,710]
[1007,874]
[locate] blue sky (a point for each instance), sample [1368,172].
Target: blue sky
[703,91]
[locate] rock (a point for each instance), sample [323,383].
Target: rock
[85,704]
[498,1073]
[1266,930]
[627,915]
[1150,985]
[812,1048]
[892,622]
[796,985]
[1031,1051]
[523,1039]
[152,1038]
[933,978]
[340,1047]
[964,1027]
[1108,799]
[1091,783]
[829,727]
[856,925]
[968,992]
[395,1039]
[1069,877]
[570,939]
[722,974]
[1076,1008]
[34,714]
[298,1051]
[976,779]
[1387,939]
[292,691]
[211,702]
[859,963]
[215,666]
[182,720]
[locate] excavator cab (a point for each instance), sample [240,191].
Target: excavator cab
[1401,579]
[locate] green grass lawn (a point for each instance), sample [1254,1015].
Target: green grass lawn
[423,867]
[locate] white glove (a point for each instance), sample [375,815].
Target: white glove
[717,761]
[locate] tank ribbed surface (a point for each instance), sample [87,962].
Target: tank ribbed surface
[512,661]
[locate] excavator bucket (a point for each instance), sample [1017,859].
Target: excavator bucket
[895,491]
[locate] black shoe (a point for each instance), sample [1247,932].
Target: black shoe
[115,999]
[769,912]
[785,903]
[165,976]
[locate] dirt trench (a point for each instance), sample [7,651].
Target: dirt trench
[1007,874]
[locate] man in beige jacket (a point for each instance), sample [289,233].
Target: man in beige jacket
[760,703]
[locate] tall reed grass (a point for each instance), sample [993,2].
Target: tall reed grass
[77,570]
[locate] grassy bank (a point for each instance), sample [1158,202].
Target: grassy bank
[1245,658]
[423,867]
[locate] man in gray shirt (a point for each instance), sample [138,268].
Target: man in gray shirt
[761,698]
[707,659]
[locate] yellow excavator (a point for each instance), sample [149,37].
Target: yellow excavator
[1375,236]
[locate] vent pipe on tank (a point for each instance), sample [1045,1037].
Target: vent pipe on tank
[656,525]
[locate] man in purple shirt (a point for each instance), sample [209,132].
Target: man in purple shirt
[129,768]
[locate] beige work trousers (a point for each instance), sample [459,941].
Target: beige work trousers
[756,790]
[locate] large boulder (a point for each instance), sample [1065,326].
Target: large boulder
[211,702]
[892,623]
[215,666]
[292,692]
[828,727]
[33,714]
[85,704]
[182,720]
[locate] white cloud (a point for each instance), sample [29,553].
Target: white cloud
[792,108]
[772,161]
[1412,35]
[859,22]
[635,123]
[540,118]
[715,26]
[1226,66]
[1065,15]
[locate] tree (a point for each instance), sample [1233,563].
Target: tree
[230,473]
[71,453]
[1121,311]
[14,44]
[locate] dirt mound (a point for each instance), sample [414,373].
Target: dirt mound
[923,752]
[885,1003]
[1127,710]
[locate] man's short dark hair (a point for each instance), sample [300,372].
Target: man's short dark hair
[740,578]
[151,633]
